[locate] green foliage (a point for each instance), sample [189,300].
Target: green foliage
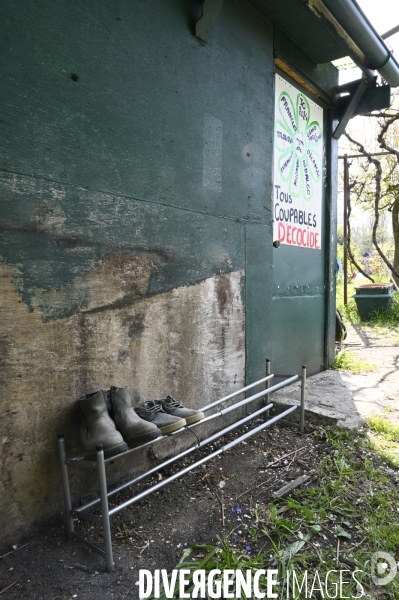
[208,557]
[349,514]
[348,312]
[376,266]
[388,320]
[353,501]
[355,252]
[385,439]
[347,361]
[380,425]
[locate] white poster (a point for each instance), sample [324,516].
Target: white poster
[298,168]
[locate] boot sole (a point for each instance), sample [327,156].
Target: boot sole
[142,439]
[194,418]
[172,427]
[109,452]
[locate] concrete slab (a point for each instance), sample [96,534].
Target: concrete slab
[346,399]
[328,400]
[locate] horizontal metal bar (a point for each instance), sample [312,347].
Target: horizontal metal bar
[204,420]
[244,389]
[169,461]
[275,387]
[77,462]
[259,428]
[219,434]
[82,540]
[131,450]
[161,484]
[86,516]
[265,392]
[390,32]
[163,437]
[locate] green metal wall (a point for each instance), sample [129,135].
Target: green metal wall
[135,217]
[162,147]
[135,185]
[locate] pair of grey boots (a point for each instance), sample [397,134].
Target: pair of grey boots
[108,418]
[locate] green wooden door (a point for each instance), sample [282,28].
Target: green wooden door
[299,292]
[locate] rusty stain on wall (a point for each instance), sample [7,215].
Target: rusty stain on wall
[224,294]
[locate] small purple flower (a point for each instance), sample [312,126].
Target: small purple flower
[234,540]
[248,549]
[236,510]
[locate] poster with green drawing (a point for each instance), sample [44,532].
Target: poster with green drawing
[298,168]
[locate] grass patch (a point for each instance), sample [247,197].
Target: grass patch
[353,502]
[348,312]
[384,437]
[347,361]
[388,320]
[350,513]
[207,558]
[387,449]
[385,428]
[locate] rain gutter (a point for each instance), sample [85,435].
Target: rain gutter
[366,47]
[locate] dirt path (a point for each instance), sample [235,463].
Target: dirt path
[378,390]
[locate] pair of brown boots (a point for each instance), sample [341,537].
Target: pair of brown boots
[108,418]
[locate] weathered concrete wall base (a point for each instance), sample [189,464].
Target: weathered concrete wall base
[176,342]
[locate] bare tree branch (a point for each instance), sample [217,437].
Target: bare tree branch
[378,115]
[377,193]
[381,139]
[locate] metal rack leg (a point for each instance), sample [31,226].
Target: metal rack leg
[303,391]
[102,478]
[65,485]
[267,385]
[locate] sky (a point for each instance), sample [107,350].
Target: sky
[383,14]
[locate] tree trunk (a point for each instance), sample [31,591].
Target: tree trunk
[395,228]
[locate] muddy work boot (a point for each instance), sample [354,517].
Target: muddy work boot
[176,408]
[154,413]
[135,430]
[97,427]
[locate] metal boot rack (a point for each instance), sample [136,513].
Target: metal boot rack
[99,464]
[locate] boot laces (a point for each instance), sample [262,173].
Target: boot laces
[153,406]
[169,401]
